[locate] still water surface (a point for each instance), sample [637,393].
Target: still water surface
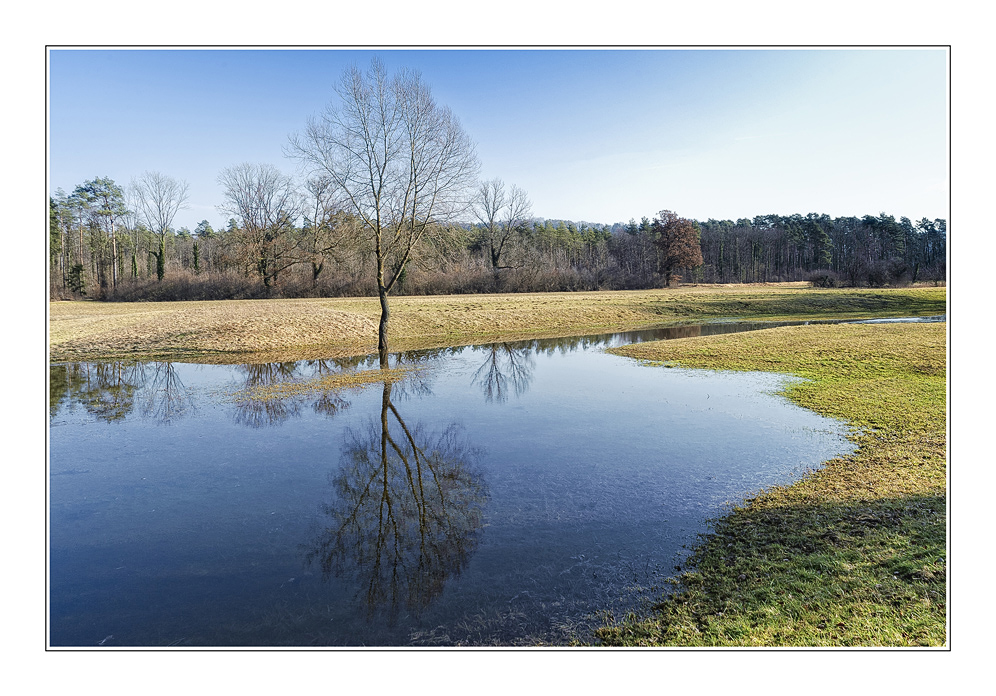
[503,494]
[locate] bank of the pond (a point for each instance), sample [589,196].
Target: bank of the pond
[273,330]
[852,555]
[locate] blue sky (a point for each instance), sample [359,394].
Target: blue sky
[594,135]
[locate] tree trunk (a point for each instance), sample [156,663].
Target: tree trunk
[385,311]
[261,268]
[385,314]
[161,258]
[64,256]
[114,257]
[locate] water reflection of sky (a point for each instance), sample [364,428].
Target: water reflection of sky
[502,494]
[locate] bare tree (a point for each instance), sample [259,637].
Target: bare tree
[403,164]
[327,227]
[159,198]
[503,216]
[266,204]
[133,226]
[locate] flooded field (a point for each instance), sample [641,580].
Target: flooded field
[502,494]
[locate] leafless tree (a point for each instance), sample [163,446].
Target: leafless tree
[328,228]
[402,163]
[159,197]
[503,215]
[133,225]
[266,204]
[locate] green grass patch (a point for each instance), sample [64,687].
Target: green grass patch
[854,554]
[804,303]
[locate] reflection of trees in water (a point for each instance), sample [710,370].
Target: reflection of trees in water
[260,411]
[407,508]
[165,396]
[109,390]
[570,344]
[105,390]
[329,404]
[684,332]
[506,366]
[417,382]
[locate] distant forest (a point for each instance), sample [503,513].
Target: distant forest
[101,247]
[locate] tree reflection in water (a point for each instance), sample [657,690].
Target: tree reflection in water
[165,396]
[262,411]
[109,390]
[406,512]
[506,365]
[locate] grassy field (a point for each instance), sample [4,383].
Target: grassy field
[852,555]
[260,330]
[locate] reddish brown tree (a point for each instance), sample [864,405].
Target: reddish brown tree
[677,242]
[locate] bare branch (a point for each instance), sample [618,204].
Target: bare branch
[402,164]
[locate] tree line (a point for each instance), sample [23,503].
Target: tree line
[387,200]
[873,250]
[109,252]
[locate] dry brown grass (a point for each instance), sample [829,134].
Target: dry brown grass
[80,330]
[223,331]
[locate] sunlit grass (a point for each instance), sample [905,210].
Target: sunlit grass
[852,555]
[271,330]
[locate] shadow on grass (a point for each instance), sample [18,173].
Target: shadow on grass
[832,574]
[809,303]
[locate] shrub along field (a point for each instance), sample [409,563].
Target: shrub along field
[851,555]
